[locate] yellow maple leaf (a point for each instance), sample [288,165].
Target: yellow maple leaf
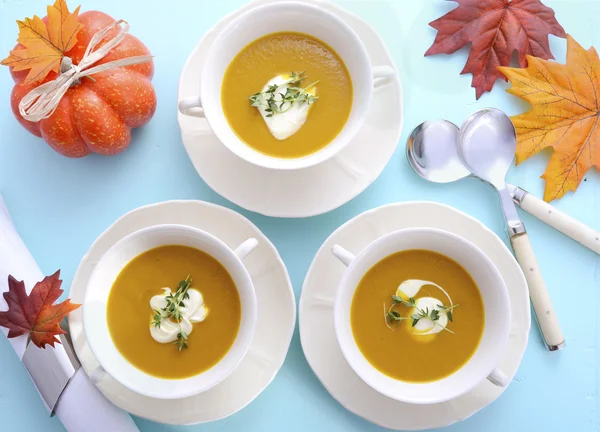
[565,115]
[45,45]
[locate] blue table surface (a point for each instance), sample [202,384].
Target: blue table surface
[61,205]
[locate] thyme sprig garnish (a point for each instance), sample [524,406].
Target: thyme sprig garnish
[278,102]
[175,301]
[392,316]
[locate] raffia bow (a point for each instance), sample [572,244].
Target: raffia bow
[42,101]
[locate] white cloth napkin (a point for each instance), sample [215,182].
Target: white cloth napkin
[81,406]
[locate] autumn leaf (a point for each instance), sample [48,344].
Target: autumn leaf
[565,115]
[495,28]
[35,313]
[44,44]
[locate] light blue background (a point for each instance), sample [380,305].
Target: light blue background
[60,206]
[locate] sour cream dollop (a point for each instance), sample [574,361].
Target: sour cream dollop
[284,125]
[410,288]
[193,311]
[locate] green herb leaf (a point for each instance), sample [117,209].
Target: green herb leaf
[407,304]
[157,318]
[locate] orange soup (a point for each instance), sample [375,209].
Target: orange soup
[280,54]
[130,316]
[434,291]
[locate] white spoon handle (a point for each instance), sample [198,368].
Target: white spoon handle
[540,298]
[564,223]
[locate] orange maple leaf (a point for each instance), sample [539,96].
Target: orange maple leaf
[565,115]
[35,313]
[44,44]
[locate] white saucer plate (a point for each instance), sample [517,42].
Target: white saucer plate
[317,331]
[307,192]
[274,328]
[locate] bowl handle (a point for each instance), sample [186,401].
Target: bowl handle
[499,378]
[382,75]
[191,106]
[342,254]
[245,248]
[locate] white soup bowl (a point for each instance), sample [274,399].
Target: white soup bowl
[96,298]
[285,17]
[483,363]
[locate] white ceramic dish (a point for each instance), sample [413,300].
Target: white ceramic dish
[317,332]
[279,17]
[106,272]
[493,291]
[298,193]
[274,326]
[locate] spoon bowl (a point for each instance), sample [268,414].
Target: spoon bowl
[431,152]
[487,143]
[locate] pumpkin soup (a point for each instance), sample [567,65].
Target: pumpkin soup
[417,316]
[173,312]
[287,95]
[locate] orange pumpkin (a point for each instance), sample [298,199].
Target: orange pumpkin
[96,115]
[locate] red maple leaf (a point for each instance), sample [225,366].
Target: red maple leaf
[495,28]
[35,313]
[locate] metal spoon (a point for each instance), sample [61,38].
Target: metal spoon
[486,146]
[431,152]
